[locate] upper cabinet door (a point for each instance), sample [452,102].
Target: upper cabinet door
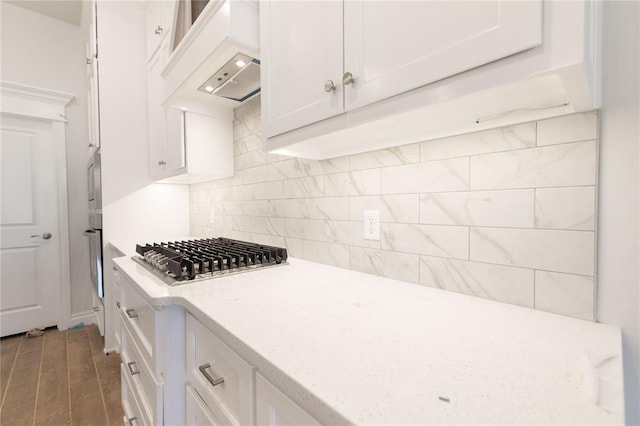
[301,48]
[392,47]
[159,23]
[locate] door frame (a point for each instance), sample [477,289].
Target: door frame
[32,102]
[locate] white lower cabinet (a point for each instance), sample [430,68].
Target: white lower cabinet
[147,388]
[176,371]
[198,414]
[152,342]
[98,310]
[133,415]
[219,375]
[274,408]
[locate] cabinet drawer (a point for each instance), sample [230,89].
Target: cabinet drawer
[133,415]
[147,389]
[198,414]
[219,375]
[273,408]
[115,307]
[142,319]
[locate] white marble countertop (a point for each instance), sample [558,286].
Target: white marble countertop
[357,348]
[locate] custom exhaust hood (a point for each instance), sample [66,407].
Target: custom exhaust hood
[215,65]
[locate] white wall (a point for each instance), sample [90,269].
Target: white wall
[619,214]
[47,53]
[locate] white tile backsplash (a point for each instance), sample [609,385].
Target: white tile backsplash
[304,187]
[403,208]
[568,128]
[506,214]
[566,208]
[495,140]
[431,176]
[572,164]
[406,154]
[511,208]
[561,251]
[400,266]
[431,240]
[365,182]
[565,294]
[496,282]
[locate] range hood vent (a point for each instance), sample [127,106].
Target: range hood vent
[238,79]
[219,55]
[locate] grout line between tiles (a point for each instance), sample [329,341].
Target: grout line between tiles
[13,363]
[66,347]
[35,402]
[93,360]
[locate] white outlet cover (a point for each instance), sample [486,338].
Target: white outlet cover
[372,225]
[212,216]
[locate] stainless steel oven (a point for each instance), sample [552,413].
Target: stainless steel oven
[94,233]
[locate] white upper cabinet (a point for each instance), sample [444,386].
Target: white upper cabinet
[303,49]
[391,47]
[160,15]
[387,48]
[165,124]
[409,71]
[184,146]
[92,81]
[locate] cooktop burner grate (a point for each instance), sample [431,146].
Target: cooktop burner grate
[205,258]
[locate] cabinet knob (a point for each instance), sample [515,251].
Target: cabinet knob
[131,313]
[329,86]
[347,78]
[89,61]
[159,30]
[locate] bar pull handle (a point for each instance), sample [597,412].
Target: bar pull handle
[131,370]
[131,313]
[209,377]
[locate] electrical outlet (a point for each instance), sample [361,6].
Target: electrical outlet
[212,216]
[372,225]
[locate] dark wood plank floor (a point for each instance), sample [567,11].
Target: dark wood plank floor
[60,378]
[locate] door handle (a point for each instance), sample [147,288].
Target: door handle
[44,236]
[89,233]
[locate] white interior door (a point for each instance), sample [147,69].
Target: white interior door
[30,258]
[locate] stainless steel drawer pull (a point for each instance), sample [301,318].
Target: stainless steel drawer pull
[131,370]
[209,377]
[132,313]
[131,420]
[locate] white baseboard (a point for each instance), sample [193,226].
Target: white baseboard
[87,318]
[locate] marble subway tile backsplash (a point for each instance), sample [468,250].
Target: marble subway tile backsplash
[505,214]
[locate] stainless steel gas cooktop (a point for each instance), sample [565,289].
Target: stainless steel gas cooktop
[185,261]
